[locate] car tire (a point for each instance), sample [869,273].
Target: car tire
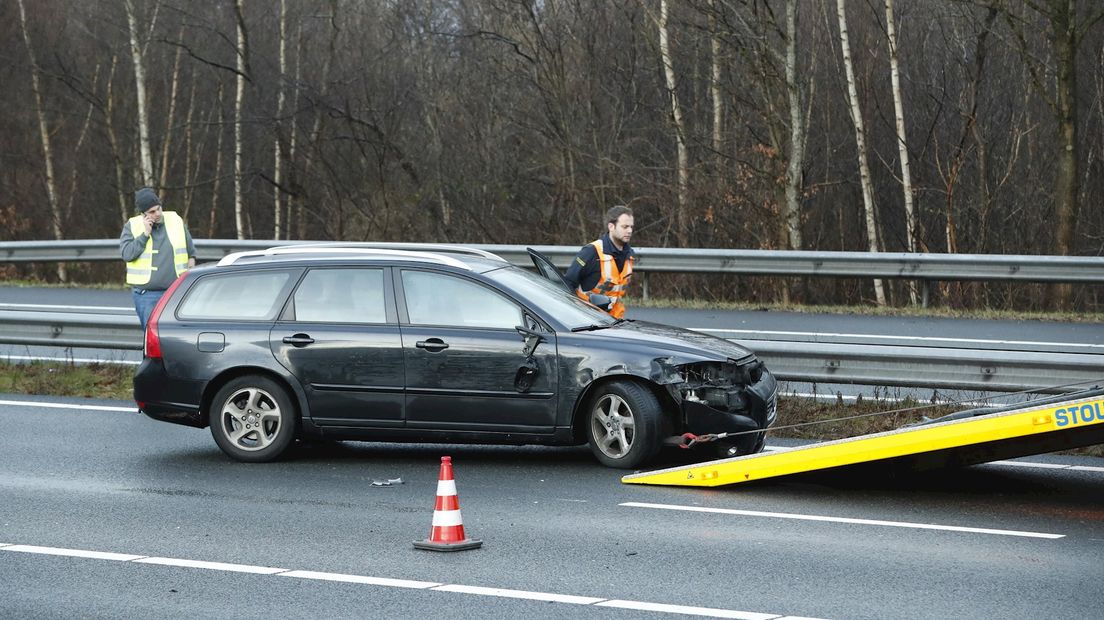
[623,421]
[252,419]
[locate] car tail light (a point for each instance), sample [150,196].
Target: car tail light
[153,339]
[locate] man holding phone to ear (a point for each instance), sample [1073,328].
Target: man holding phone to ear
[157,248]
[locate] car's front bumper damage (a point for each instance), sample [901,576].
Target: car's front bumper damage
[736,398]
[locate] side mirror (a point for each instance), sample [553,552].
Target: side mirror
[532,339]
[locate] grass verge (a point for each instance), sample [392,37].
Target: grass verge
[799,418]
[104,381]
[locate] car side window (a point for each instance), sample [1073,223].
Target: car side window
[438,299]
[239,296]
[341,296]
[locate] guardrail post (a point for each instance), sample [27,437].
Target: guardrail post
[925,292]
[645,286]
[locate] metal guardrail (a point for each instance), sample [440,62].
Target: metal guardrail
[924,267]
[859,361]
[867,363]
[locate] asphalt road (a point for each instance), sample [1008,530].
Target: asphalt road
[312,537]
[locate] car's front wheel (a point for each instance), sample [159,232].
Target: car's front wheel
[252,419]
[623,424]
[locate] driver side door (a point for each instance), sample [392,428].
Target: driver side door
[463,355]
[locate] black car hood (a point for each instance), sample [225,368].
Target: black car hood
[674,339]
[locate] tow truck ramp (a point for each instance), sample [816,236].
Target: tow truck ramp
[965,438]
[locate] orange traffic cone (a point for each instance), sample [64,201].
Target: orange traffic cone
[447,532]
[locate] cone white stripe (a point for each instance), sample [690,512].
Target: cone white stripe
[443,518]
[446,487]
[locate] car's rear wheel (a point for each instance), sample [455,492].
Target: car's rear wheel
[252,419]
[623,422]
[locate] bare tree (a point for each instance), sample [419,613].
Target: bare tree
[44,134]
[1065,34]
[715,86]
[239,99]
[860,142]
[902,140]
[798,135]
[277,169]
[899,117]
[137,52]
[682,215]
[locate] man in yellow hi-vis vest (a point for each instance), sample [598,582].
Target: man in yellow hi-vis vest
[605,266]
[157,248]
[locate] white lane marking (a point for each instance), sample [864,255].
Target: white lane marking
[371,581]
[687,610]
[1047,465]
[1025,464]
[70,360]
[550,597]
[801,517]
[25,403]
[73,553]
[889,337]
[522,594]
[233,568]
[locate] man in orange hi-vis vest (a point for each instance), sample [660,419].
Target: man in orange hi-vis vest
[605,266]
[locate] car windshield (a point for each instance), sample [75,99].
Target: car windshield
[551,298]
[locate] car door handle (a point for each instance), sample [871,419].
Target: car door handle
[432,345]
[298,340]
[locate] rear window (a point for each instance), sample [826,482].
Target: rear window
[253,296]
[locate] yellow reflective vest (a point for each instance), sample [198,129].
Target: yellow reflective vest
[612,282]
[140,269]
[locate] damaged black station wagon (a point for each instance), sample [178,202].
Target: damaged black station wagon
[434,344]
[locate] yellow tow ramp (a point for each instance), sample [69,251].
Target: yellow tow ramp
[979,439]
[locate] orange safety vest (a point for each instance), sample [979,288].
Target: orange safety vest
[612,282]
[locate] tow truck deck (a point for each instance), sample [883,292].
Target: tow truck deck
[965,438]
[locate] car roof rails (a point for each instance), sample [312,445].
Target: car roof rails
[381,245]
[291,251]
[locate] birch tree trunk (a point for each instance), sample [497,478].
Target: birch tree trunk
[218,165]
[798,136]
[682,217]
[860,140]
[715,89]
[293,131]
[44,133]
[145,154]
[277,155]
[191,157]
[239,98]
[902,141]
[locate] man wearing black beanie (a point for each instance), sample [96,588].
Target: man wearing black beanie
[157,248]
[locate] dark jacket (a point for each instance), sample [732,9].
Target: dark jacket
[585,271]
